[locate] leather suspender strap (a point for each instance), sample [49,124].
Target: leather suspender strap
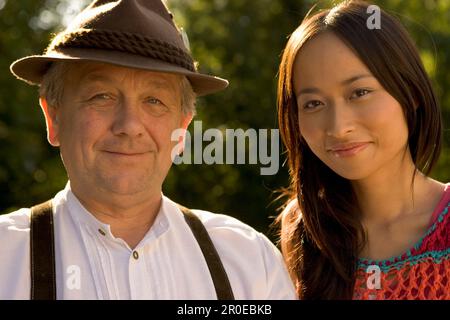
[215,266]
[42,253]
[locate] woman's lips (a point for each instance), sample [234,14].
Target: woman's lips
[348,150]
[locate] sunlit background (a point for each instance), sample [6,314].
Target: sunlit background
[240,40]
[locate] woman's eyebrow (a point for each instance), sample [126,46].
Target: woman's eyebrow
[354,78]
[343,83]
[308,90]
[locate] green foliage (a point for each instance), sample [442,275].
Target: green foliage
[239,40]
[30,170]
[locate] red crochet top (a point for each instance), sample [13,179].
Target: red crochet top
[423,272]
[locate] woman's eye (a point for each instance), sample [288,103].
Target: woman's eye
[359,93]
[312,104]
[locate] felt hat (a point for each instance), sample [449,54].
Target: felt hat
[131,33]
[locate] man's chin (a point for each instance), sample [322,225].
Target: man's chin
[130,187]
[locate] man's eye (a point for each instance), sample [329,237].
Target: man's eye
[311,104]
[156,101]
[157,107]
[100,96]
[359,93]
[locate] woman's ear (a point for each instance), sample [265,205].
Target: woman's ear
[51,119]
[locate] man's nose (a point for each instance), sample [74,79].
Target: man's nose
[341,120]
[128,119]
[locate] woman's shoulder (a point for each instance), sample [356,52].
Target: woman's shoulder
[443,191]
[289,219]
[290,211]
[438,234]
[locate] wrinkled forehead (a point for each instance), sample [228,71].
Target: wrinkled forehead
[87,72]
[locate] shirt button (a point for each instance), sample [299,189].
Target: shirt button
[135,255]
[101,232]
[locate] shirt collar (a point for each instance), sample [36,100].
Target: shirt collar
[85,219]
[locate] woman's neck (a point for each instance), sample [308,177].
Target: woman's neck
[395,212]
[390,192]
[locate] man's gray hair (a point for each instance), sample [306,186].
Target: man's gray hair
[52,87]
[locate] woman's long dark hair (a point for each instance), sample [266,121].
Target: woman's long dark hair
[321,234]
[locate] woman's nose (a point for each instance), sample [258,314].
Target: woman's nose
[340,120]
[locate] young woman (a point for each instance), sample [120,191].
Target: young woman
[362,129]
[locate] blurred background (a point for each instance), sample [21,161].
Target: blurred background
[240,40]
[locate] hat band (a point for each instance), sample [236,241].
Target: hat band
[124,42]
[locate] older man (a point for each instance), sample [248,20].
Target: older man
[113,87]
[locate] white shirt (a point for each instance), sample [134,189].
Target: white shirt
[93,264]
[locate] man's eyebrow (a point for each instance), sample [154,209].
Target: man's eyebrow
[93,77]
[159,84]
[156,83]
[343,83]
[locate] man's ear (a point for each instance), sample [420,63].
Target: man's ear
[185,121]
[51,119]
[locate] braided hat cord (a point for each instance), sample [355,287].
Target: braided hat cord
[124,42]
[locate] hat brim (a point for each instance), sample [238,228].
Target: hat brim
[31,69]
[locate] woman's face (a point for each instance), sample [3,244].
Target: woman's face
[346,117]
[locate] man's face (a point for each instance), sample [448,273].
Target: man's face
[114,128]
